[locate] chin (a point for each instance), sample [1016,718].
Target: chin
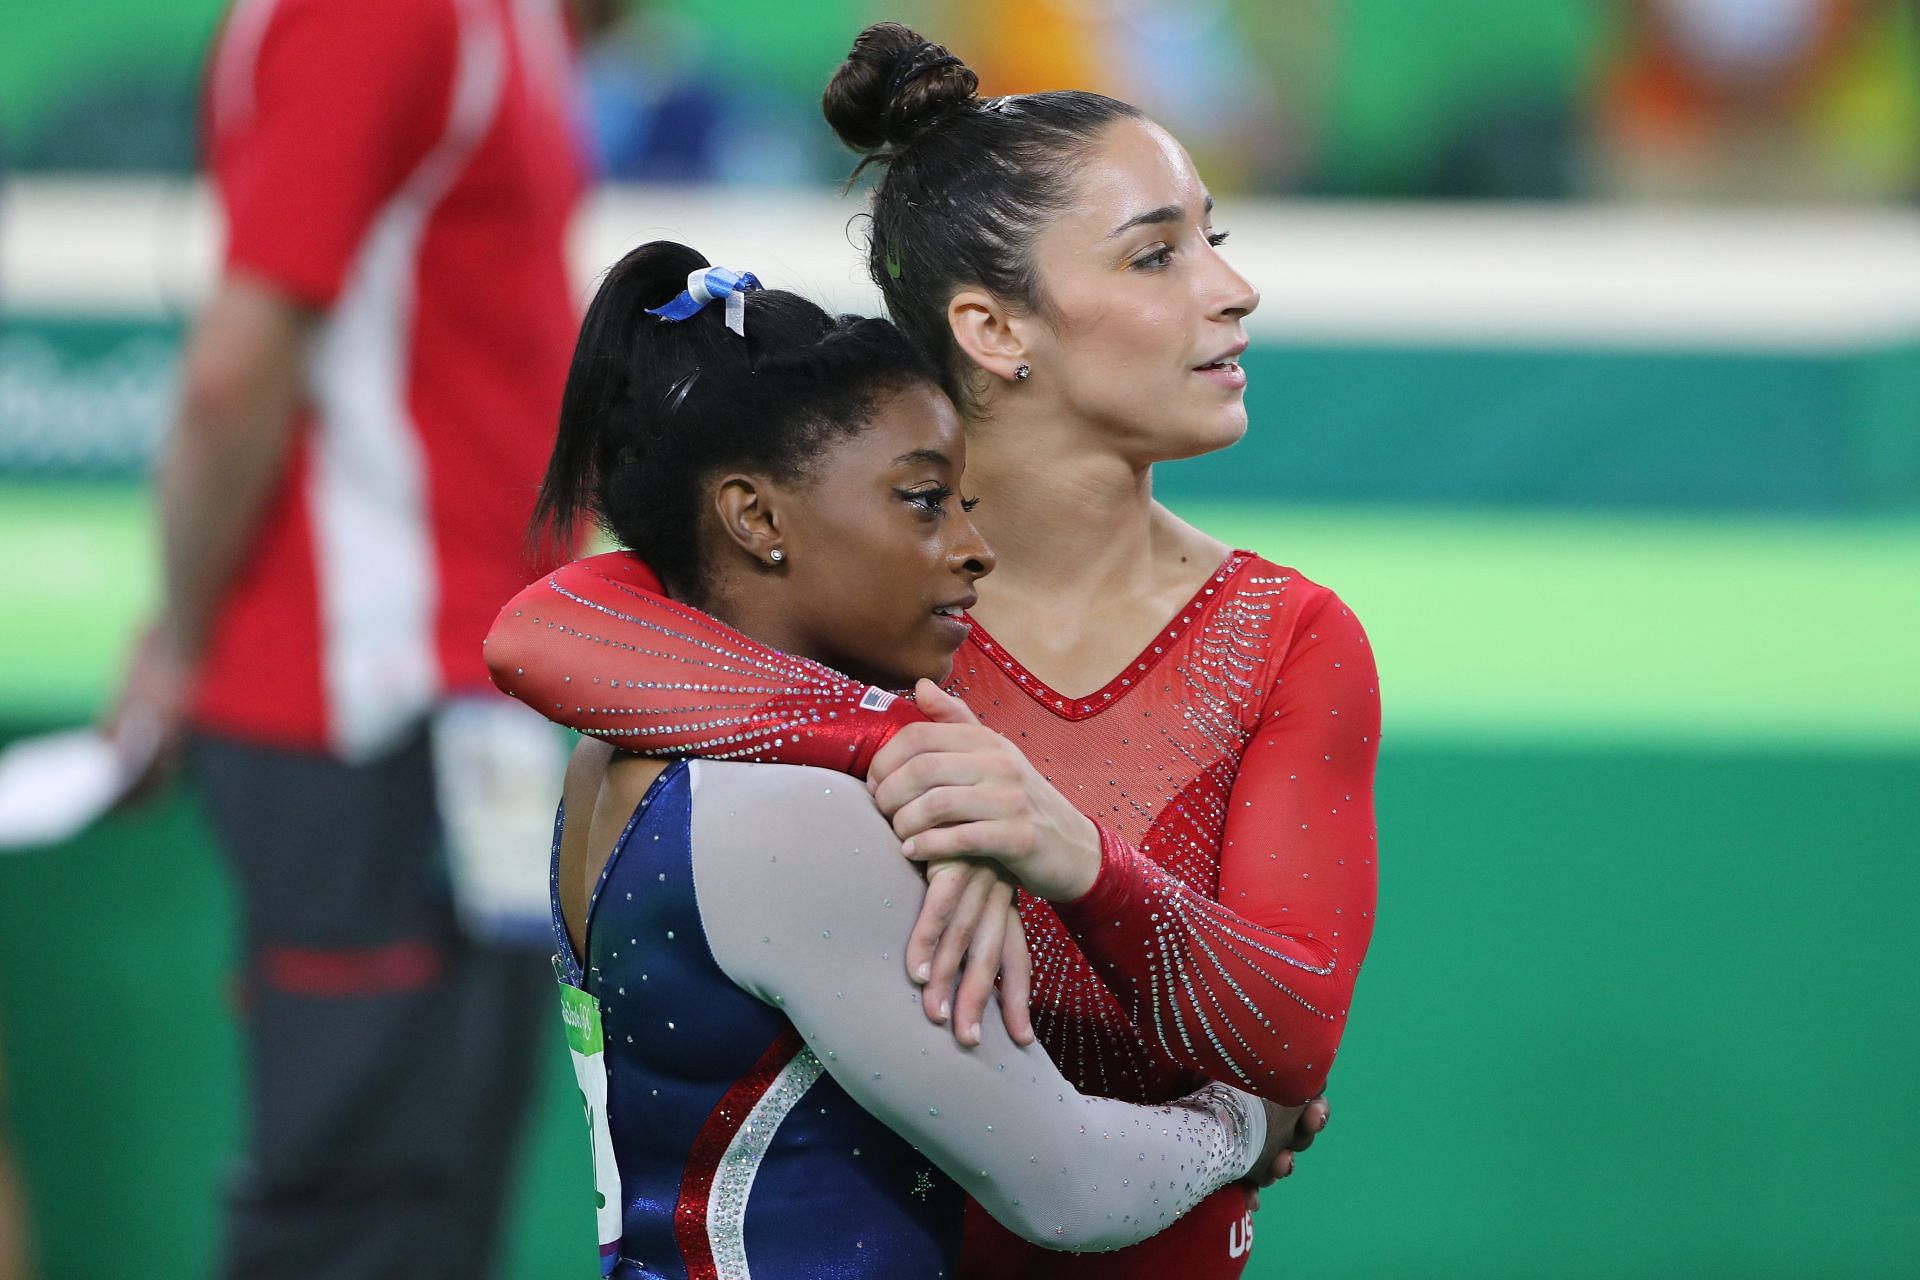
[1231,429]
[940,670]
[935,665]
[1211,434]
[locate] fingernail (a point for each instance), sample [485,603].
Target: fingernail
[946,1007]
[973,1034]
[906,847]
[924,972]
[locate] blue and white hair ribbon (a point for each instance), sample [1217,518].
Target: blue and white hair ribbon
[706,285]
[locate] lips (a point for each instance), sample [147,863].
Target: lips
[955,608]
[1226,360]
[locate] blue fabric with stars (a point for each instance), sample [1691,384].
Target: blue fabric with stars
[835,1195]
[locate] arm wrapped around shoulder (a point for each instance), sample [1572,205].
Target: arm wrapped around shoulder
[595,646]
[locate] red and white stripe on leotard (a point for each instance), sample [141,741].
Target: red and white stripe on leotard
[709,1219]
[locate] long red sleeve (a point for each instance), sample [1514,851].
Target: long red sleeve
[1253,989]
[596,647]
[1230,769]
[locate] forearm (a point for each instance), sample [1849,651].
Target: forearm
[1229,997]
[594,646]
[242,385]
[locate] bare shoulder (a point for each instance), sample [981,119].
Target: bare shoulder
[1184,555]
[602,788]
[1176,539]
[586,769]
[579,796]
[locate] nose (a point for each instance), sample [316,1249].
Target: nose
[1234,295]
[969,556]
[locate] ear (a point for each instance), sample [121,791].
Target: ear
[749,511]
[992,337]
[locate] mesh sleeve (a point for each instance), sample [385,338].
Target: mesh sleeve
[816,935]
[595,646]
[1254,988]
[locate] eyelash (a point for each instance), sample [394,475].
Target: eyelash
[1161,257]
[934,501]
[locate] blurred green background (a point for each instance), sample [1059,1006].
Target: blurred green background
[1640,999]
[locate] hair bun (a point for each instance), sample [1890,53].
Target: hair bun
[893,85]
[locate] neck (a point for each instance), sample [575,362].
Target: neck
[760,611]
[1066,523]
[731,595]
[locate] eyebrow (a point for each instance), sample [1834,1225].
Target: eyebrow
[1165,213]
[934,456]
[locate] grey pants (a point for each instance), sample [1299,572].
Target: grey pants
[389,1062]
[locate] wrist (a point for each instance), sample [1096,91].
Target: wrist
[1109,886]
[1086,855]
[177,644]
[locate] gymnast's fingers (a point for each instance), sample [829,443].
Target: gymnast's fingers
[1007,843]
[946,881]
[957,937]
[918,739]
[951,806]
[1275,1160]
[982,965]
[941,706]
[921,774]
[1016,980]
[1313,1118]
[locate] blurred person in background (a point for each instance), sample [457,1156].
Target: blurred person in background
[1760,99]
[1192,66]
[367,405]
[662,103]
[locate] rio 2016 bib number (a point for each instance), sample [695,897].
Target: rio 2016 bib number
[587,1047]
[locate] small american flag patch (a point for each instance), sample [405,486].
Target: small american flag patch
[876,700]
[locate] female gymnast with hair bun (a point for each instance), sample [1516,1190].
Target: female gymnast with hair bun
[765,1096]
[1168,742]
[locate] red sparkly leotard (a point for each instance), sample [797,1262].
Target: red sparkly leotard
[1229,768]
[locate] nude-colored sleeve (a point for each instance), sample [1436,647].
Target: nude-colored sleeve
[807,903]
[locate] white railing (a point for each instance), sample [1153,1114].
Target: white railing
[1444,274]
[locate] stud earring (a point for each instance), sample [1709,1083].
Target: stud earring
[1022,372]
[777,555]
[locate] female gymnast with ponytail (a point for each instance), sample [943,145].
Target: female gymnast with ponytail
[766,1097]
[1169,742]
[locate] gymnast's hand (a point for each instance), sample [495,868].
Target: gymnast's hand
[969,917]
[1290,1130]
[954,788]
